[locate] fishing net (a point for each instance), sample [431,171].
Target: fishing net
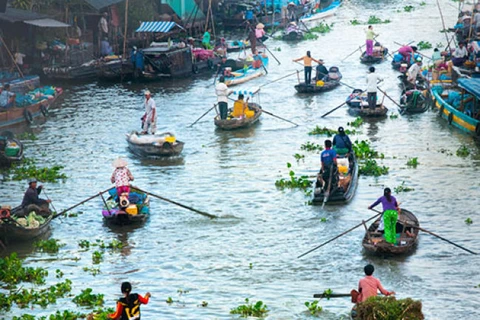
[389,308]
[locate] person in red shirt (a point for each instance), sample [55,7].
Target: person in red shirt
[369,285]
[128,307]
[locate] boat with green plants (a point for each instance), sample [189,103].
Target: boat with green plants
[17,225]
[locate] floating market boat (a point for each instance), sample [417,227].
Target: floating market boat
[154,145]
[113,68]
[329,82]
[317,12]
[358,105]
[29,106]
[292,33]
[246,74]
[460,106]
[162,60]
[84,71]
[11,149]
[232,123]
[15,227]
[374,241]
[379,55]
[20,84]
[414,101]
[346,185]
[237,64]
[121,211]
[205,60]
[237,45]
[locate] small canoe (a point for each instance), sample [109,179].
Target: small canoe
[377,57]
[321,13]
[374,242]
[11,149]
[237,64]
[154,145]
[135,212]
[292,33]
[14,230]
[237,123]
[344,191]
[246,74]
[237,45]
[358,105]
[401,66]
[329,82]
[413,101]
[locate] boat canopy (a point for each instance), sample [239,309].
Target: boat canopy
[471,85]
[157,26]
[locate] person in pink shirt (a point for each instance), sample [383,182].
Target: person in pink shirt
[260,33]
[369,285]
[408,53]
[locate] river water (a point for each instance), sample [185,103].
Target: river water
[251,250]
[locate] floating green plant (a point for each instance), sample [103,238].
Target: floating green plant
[363,150]
[408,8]
[87,299]
[463,151]
[376,20]
[371,168]
[402,188]
[322,131]
[468,221]
[322,28]
[356,123]
[389,308]
[28,169]
[313,307]
[311,146]
[355,22]
[293,182]
[423,45]
[50,246]
[413,162]
[259,309]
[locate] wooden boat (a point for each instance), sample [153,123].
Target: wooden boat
[246,74]
[464,117]
[210,63]
[11,149]
[328,83]
[22,85]
[401,66]
[379,55]
[157,145]
[358,105]
[12,231]
[85,71]
[27,114]
[136,212]
[345,189]
[237,123]
[374,242]
[237,45]
[413,101]
[237,64]
[164,61]
[112,69]
[321,13]
[292,33]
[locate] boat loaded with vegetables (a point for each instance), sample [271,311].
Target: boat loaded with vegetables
[134,209]
[17,225]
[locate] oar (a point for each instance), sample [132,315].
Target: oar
[435,235]
[288,75]
[268,50]
[216,75]
[359,48]
[401,45]
[386,95]
[45,193]
[326,195]
[340,235]
[211,216]
[203,115]
[331,295]
[341,105]
[81,202]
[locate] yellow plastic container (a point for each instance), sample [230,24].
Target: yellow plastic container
[320,83]
[343,169]
[132,209]
[170,139]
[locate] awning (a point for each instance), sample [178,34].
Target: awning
[157,26]
[17,15]
[47,23]
[100,4]
[471,85]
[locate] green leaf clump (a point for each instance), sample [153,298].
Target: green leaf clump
[423,45]
[87,299]
[402,188]
[376,20]
[259,309]
[313,307]
[389,308]
[370,167]
[311,146]
[413,162]
[463,151]
[50,246]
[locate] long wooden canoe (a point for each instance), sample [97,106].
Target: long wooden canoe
[153,145]
[237,123]
[11,231]
[114,214]
[374,241]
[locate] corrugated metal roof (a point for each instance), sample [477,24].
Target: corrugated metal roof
[47,23]
[17,15]
[471,85]
[100,4]
[157,26]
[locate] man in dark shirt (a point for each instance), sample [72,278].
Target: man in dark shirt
[341,142]
[328,159]
[31,201]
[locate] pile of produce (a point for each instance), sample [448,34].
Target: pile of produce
[31,221]
[389,308]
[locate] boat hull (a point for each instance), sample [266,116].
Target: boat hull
[234,124]
[151,150]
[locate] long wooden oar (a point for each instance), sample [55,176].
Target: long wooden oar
[288,75]
[386,95]
[81,202]
[263,44]
[359,48]
[273,115]
[203,115]
[341,105]
[45,193]
[211,216]
[435,235]
[332,295]
[340,235]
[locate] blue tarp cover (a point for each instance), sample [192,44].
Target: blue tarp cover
[471,85]
[157,26]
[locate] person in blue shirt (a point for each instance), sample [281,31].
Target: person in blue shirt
[328,159]
[341,142]
[7,98]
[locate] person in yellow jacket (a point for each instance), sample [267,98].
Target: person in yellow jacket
[240,108]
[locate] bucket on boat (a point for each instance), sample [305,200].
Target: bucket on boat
[170,139]
[320,83]
[132,209]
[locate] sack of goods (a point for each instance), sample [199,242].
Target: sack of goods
[342,164]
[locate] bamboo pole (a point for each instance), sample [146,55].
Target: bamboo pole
[125,30]
[443,23]
[11,56]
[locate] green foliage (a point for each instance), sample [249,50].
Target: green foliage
[463,151]
[92,271]
[327,293]
[423,3]
[311,146]
[445,151]
[355,123]
[355,22]
[323,219]
[322,28]
[27,136]
[439,45]
[251,310]
[376,20]
[114,245]
[413,162]
[12,272]
[468,221]
[169,300]
[299,157]
[101,314]
[28,169]
[393,116]
[363,150]
[310,36]
[277,49]
[371,168]
[322,131]
[408,8]
[50,246]
[388,308]
[204,304]
[313,307]
[293,182]
[402,188]
[87,299]
[423,45]
[97,257]
[22,4]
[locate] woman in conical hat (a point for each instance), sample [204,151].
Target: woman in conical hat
[121,176]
